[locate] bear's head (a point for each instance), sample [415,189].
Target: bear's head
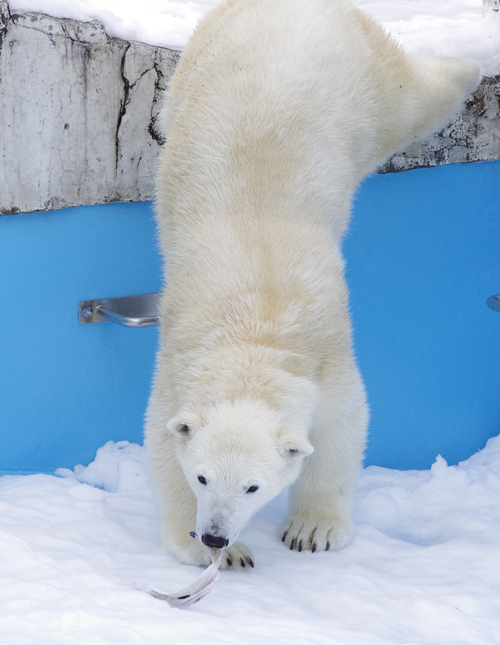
[236,457]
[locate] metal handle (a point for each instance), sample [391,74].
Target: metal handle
[126,321]
[493,302]
[129,311]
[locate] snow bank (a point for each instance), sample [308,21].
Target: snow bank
[457,28]
[423,567]
[448,28]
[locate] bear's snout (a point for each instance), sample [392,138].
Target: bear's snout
[214,541]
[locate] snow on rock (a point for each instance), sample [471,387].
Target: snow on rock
[457,28]
[448,28]
[79,104]
[423,566]
[164,23]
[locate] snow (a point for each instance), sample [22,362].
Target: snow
[423,567]
[463,28]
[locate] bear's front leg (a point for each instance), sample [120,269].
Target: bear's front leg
[320,515]
[177,502]
[322,526]
[178,508]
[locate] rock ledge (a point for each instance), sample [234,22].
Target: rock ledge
[78,114]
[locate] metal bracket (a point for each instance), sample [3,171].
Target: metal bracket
[493,302]
[129,311]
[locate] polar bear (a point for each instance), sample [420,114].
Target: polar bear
[277,110]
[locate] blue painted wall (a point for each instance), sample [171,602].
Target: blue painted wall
[67,388]
[423,254]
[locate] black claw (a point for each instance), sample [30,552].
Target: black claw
[229,562]
[184,597]
[314,547]
[327,546]
[301,544]
[250,562]
[292,544]
[242,562]
[284,536]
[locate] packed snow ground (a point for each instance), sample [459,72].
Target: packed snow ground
[462,28]
[423,569]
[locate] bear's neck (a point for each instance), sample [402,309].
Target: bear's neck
[235,366]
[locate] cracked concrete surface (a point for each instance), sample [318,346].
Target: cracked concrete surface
[78,116]
[77,113]
[473,136]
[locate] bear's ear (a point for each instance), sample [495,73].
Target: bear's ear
[293,445]
[184,425]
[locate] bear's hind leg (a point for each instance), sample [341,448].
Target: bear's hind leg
[321,499]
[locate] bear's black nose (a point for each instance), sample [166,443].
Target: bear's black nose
[214,541]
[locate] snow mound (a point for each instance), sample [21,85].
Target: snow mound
[117,468]
[423,566]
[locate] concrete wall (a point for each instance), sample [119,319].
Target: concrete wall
[77,113]
[78,116]
[473,136]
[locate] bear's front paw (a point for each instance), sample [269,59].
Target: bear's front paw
[237,556]
[307,535]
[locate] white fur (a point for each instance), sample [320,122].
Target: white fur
[277,110]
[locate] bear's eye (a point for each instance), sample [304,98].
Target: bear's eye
[202,480]
[252,489]
[183,428]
